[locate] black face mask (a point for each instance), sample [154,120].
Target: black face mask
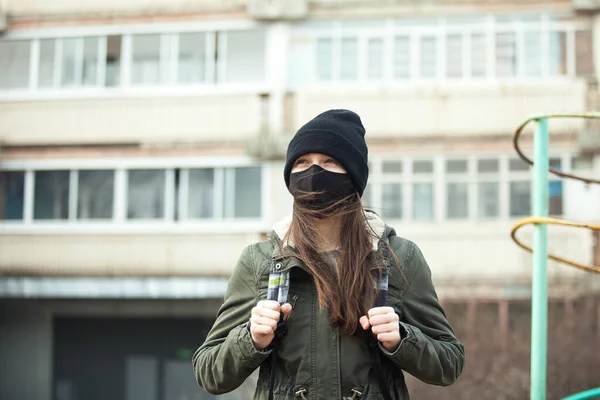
[328,188]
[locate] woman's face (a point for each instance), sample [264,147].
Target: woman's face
[306,161]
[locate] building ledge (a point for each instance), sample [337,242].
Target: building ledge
[112,288]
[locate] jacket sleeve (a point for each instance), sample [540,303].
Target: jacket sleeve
[429,349]
[228,355]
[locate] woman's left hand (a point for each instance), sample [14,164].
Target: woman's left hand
[385,324]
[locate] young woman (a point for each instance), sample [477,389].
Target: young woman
[334,305]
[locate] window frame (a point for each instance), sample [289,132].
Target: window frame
[440,179]
[488,26]
[215,80]
[119,223]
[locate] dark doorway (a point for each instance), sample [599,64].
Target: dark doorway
[127,358]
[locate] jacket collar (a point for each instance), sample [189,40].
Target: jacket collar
[375,222]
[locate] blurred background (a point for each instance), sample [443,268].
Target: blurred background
[142,145]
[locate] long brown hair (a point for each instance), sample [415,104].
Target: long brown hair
[347,290]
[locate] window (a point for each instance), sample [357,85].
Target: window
[192,58]
[555,193]
[392,200]
[375,58]
[520,199]
[90,61]
[423,201]
[456,166]
[14,64]
[488,188]
[420,167]
[558,53]
[301,50]
[324,59]
[47,62]
[583,162]
[392,189]
[12,195]
[457,189]
[487,166]
[72,62]
[113,61]
[392,167]
[457,200]
[68,62]
[478,55]
[516,164]
[488,194]
[555,189]
[454,56]
[481,189]
[516,51]
[141,194]
[506,55]
[225,193]
[146,194]
[201,200]
[95,194]
[146,65]
[79,63]
[236,56]
[402,57]
[428,57]
[246,193]
[245,55]
[519,189]
[423,190]
[533,53]
[349,59]
[51,195]
[239,56]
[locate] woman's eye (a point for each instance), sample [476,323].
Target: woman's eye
[300,162]
[331,161]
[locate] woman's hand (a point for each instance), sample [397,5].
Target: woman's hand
[385,324]
[263,321]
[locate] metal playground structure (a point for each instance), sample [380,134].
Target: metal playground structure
[541,220]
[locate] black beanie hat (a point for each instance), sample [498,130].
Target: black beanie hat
[339,134]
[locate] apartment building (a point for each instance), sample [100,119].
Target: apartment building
[142,145]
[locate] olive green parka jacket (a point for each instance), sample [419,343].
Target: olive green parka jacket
[315,361]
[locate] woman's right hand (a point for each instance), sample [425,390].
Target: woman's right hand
[263,321]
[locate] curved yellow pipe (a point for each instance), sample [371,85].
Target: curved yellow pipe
[554,221]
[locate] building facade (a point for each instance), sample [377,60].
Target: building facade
[142,146]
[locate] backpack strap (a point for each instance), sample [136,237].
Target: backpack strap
[279,284]
[381,285]
[278,289]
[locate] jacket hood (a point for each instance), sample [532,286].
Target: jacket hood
[374,221]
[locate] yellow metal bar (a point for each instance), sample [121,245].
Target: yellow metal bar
[554,221]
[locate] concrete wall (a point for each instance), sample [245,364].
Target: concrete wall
[36,8]
[122,255]
[73,7]
[475,109]
[388,112]
[456,252]
[141,120]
